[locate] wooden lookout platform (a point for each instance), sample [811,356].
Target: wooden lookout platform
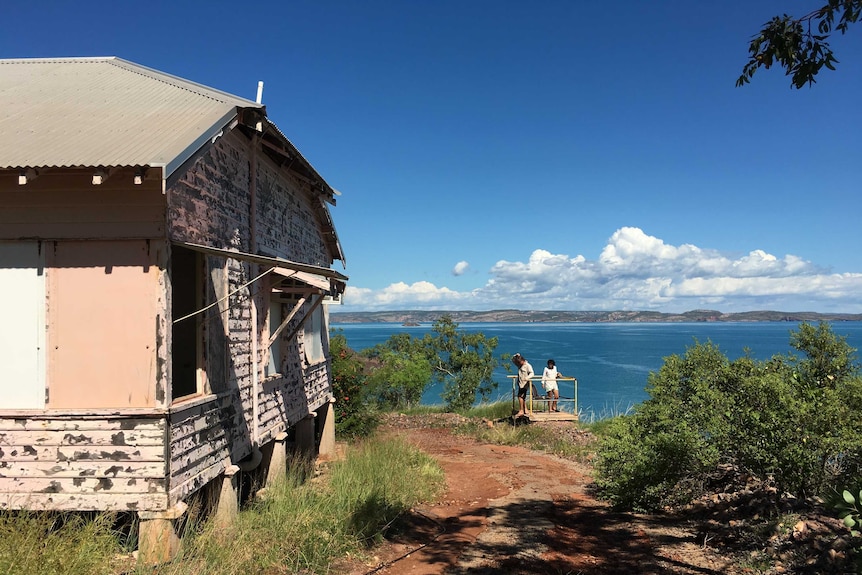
[538,404]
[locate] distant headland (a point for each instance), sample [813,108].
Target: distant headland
[407,317]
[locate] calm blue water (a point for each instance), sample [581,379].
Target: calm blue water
[610,360]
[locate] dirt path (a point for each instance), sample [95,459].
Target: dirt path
[512,510]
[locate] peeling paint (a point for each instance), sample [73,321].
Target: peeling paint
[118,438]
[114,469]
[115,456]
[76,439]
[104,483]
[161,371]
[53,487]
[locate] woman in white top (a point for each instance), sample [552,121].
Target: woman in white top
[549,383]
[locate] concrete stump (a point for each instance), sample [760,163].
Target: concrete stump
[326,449]
[158,541]
[277,460]
[227,508]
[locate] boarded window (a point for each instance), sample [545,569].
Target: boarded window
[102,309]
[22,339]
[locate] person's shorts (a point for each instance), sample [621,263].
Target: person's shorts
[551,386]
[522,391]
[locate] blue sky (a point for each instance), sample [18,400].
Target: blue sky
[579,155]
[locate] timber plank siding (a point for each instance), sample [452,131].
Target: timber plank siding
[81,464]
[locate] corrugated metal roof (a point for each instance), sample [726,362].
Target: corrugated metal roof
[82,112]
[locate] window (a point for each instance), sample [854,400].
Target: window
[314,332]
[275,317]
[188,375]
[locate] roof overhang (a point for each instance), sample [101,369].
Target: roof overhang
[325,279]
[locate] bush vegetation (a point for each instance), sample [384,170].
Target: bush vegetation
[792,419]
[355,415]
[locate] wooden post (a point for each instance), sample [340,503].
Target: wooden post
[305,435]
[158,541]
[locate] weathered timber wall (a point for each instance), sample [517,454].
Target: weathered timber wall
[202,437]
[286,223]
[211,205]
[83,463]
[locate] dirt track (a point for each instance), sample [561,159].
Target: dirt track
[512,510]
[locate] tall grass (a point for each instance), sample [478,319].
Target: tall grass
[57,543]
[495,410]
[589,415]
[535,437]
[302,525]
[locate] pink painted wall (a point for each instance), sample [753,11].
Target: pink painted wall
[102,309]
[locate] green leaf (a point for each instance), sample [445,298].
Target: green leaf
[848,497]
[849,521]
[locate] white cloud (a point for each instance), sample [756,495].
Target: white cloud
[460,268]
[636,271]
[422,294]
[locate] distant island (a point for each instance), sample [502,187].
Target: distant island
[406,317]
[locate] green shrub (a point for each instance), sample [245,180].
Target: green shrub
[794,420]
[353,414]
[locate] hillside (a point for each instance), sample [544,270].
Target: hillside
[520,316]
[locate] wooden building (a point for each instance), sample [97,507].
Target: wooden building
[164,254]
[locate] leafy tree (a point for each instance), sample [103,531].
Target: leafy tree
[403,374]
[464,362]
[792,44]
[352,416]
[405,366]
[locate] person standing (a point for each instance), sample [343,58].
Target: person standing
[525,376]
[549,384]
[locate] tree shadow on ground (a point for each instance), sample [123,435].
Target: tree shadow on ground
[540,537]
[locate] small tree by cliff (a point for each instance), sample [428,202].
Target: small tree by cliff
[464,362]
[402,372]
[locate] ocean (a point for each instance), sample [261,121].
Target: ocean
[611,361]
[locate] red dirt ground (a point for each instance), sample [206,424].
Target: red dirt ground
[513,510]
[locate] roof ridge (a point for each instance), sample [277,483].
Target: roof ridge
[145,71]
